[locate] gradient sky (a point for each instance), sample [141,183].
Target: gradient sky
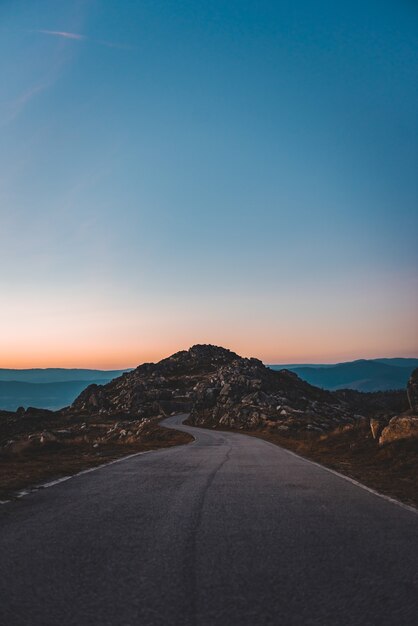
[242,173]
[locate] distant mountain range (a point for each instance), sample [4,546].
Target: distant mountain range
[50,388]
[58,375]
[362,375]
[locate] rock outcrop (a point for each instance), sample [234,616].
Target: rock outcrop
[400,427]
[246,394]
[155,388]
[218,387]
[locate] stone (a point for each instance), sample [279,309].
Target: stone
[401,427]
[47,437]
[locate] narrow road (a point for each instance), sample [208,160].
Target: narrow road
[226,531]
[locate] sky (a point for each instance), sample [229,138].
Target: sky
[242,173]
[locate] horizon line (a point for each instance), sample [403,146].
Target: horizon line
[132,367]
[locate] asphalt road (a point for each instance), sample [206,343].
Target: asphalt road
[228,530]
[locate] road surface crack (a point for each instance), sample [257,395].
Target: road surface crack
[195,531]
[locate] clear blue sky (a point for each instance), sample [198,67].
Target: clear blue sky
[240,172]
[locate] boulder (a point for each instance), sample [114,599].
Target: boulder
[401,427]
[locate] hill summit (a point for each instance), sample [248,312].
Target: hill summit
[219,387]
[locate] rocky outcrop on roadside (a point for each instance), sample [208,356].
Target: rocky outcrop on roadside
[400,427]
[95,433]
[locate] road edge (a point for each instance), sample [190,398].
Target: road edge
[52,483]
[353,481]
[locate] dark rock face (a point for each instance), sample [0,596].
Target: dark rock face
[93,397]
[413,391]
[218,387]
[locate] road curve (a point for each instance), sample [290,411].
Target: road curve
[228,530]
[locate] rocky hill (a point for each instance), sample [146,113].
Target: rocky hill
[218,387]
[155,388]
[345,429]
